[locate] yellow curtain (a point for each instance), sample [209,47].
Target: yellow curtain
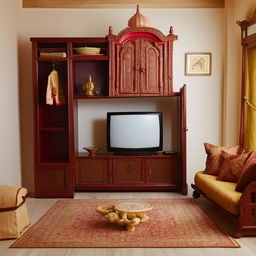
[250,100]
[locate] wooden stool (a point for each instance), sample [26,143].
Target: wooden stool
[13,211]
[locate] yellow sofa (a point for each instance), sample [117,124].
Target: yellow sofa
[13,211]
[239,204]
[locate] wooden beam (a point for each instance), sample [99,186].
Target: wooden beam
[123,3]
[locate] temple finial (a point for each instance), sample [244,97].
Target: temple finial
[110,30]
[171,30]
[138,8]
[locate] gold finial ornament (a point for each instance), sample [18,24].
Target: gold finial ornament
[138,20]
[89,87]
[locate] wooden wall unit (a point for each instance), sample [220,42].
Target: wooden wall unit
[135,63]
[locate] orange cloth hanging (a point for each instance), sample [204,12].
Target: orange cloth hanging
[54,93]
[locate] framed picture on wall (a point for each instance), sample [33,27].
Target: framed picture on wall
[198,64]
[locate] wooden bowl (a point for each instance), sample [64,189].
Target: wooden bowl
[91,150]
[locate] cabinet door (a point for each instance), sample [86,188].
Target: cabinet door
[126,68]
[92,171]
[163,171]
[52,181]
[150,67]
[128,171]
[139,67]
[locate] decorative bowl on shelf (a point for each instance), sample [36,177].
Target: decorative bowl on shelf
[87,50]
[91,150]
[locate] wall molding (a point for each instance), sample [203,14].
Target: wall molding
[123,3]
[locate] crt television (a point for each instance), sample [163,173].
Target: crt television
[134,133]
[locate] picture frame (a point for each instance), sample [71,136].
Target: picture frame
[198,64]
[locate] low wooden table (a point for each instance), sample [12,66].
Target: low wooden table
[129,214]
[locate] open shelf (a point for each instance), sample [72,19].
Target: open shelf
[77,57]
[52,129]
[99,73]
[52,116]
[56,50]
[53,146]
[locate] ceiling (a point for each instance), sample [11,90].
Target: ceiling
[123,3]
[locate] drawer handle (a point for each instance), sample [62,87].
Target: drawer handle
[128,168]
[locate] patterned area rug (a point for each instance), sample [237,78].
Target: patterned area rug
[174,223]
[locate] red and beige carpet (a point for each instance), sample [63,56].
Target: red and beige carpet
[174,223]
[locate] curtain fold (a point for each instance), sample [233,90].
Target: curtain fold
[250,100]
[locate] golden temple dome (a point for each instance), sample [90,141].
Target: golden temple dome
[138,20]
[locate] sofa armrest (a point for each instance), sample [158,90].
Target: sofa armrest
[248,198]
[11,197]
[247,216]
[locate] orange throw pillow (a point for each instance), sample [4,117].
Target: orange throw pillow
[248,173]
[213,157]
[231,166]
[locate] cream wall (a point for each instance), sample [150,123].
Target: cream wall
[204,93]
[10,166]
[199,30]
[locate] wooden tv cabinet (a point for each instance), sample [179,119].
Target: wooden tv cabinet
[126,173]
[137,62]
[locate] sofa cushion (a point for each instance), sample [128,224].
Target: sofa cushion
[222,192]
[231,166]
[213,156]
[248,173]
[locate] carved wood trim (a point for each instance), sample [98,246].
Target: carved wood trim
[122,4]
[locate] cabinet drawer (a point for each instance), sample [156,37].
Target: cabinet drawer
[163,171]
[92,171]
[128,171]
[52,180]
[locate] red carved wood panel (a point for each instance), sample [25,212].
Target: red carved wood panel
[150,68]
[139,68]
[92,171]
[127,74]
[163,171]
[52,180]
[128,171]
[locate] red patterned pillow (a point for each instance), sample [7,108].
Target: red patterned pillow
[213,157]
[231,166]
[248,173]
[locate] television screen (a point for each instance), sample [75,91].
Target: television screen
[134,133]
